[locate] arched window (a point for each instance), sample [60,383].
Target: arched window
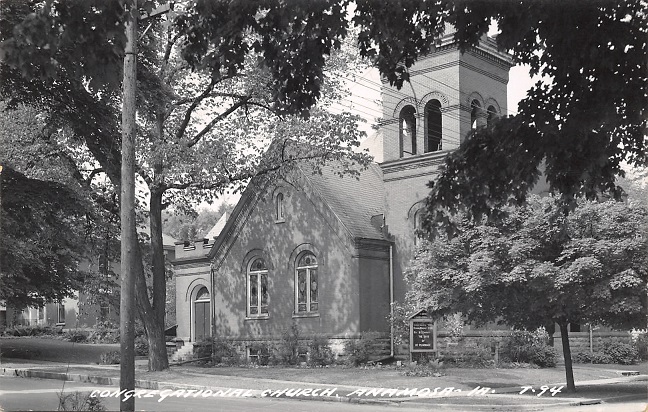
[257,288]
[492,115]
[433,123]
[475,110]
[306,284]
[407,125]
[202,295]
[280,207]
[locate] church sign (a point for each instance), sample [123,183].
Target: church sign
[422,333]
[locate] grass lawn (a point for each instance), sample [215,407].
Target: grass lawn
[381,377]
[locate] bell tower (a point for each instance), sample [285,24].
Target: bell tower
[449,94]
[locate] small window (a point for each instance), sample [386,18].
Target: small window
[307,284]
[61,313]
[253,355]
[257,288]
[280,208]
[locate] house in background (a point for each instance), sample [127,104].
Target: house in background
[85,309]
[328,253]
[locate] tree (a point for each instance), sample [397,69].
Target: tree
[575,129]
[51,221]
[539,267]
[191,227]
[66,55]
[182,158]
[43,239]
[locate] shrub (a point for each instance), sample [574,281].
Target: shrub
[479,357]
[141,346]
[104,333]
[288,348]
[224,352]
[32,331]
[588,357]
[544,356]
[620,352]
[529,347]
[640,344]
[358,350]
[110,358]
[319,352]
[426,369]
[77,336]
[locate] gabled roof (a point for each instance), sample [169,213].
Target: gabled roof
[354,200]
[218,227]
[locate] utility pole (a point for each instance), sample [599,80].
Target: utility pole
[127,206]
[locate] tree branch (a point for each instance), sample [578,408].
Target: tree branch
[215,120]
[196,101]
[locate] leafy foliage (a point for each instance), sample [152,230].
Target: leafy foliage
[539,266]
[358,351]
[620,352]
[530,347]
[43,239]
[319,351]
[575,128]
[195,123]
[288,347]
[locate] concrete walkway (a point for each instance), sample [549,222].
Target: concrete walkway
[177,381]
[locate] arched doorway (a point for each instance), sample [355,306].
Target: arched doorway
[202,318]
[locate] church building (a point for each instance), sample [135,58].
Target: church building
[328,252]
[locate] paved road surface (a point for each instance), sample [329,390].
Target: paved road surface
[18,394]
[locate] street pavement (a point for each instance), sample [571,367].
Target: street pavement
[191,385]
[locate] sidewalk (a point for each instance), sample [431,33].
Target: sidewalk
[303,383]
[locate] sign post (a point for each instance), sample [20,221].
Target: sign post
[423,334]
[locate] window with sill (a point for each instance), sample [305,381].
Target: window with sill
[306,284]
[257,288]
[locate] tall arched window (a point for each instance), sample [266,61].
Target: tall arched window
[492,115]
[407,125]
[280,207]
[257,288]
[306,284]
[433,123]
[475,110]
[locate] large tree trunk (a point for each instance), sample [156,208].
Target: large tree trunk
[569,372]
[152,311]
